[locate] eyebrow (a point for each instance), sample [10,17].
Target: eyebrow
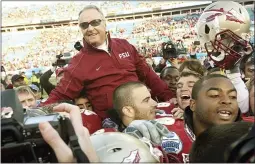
[219,89]
[146,98]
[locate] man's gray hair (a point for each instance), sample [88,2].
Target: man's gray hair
[91,7]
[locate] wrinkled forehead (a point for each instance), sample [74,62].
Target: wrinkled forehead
[89,15]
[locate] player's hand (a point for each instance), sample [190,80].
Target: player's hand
[61,149]
[151,130]
[178,113]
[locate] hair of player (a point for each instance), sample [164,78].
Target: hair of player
[163,72]
[122,96]
[211,145]
[92,7]
[193,65]
[246,60]
[24,89]
[199,84]
[213,70]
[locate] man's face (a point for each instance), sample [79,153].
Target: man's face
[144,105]
[252,99]
[184,90]
[27,100]
[216,103]
[95,36]
[171,77]
[83,103]
[249,71]
[59,77]
[19,82]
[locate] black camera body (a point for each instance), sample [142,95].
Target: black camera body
[78,46]
[169,50]
[24,143]
[62,59]
[21,140]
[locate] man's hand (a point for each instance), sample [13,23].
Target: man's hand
[178,113]
[61,149]
[151,130]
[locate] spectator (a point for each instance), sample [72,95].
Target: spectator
[25,77]
[37,93]
[18,80]
[171,76]
[192,65]
[211,145]
[184,88]
[34,79]
[121,64]
[38,75]
[26,97]
[44,79]
[83,103]
[247,66]
[8,81]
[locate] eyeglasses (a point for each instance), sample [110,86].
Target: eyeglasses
[94,23]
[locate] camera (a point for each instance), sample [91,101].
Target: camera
[78,46]
[21,140]
[169,50]
[62,59]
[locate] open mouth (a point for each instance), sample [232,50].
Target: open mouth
[185,97]
[224,114]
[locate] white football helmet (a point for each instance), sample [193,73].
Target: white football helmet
[220,28]
[122,148]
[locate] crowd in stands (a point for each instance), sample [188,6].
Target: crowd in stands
[147,35]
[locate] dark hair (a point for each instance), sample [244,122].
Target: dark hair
[122,96]
[163,72]
[199,84]
[211,144]
[247,59]
[193,65]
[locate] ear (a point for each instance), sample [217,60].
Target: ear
[193,105]
[128,111]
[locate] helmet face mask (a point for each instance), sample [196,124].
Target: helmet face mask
[220,29]
[226,49]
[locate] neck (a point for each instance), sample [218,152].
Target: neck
[126,121]
[198,126]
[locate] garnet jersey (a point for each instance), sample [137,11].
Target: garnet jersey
[166,106]
[91,121]
[178,144]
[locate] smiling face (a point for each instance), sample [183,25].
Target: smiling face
[93,35]
[216,103]
[184,90]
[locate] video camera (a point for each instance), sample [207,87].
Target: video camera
[62,59]
[169,50]
[78,46]
[21,140]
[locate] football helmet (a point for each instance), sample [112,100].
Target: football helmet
[221,28]
[119,147]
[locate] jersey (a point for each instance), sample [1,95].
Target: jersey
[178,144]
[166,107]
[91,121]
